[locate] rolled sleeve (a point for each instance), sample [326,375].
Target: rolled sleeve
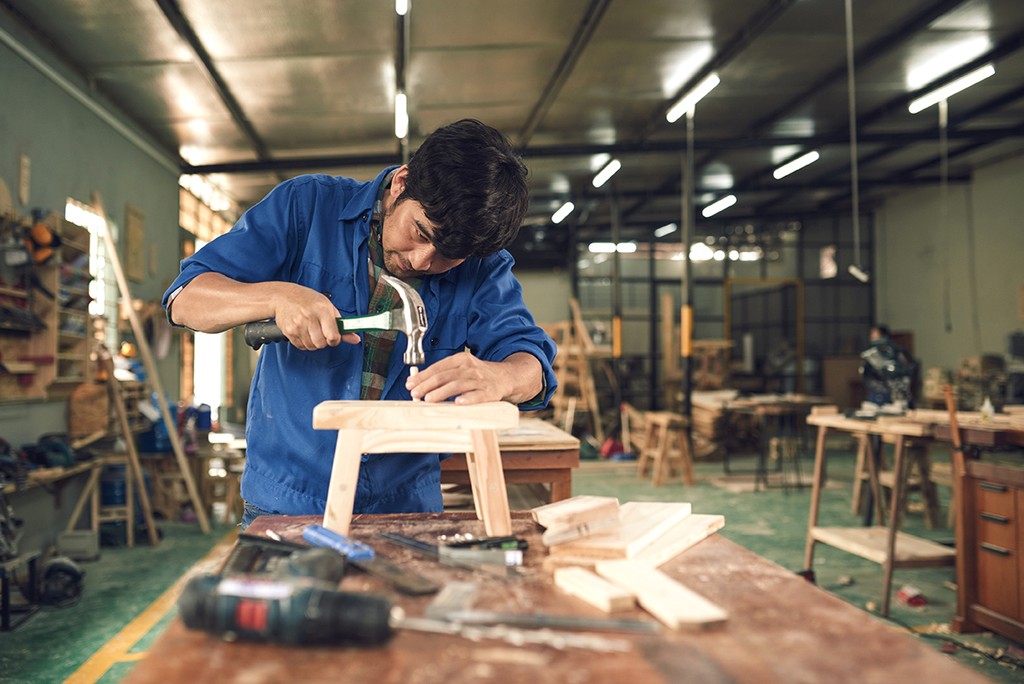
[500,324]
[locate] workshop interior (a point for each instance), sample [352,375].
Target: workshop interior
[776,246]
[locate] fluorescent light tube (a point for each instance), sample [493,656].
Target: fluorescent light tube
[562,212]
[607,172]
[718,205]
[401,116]
[666,229]
[688,101]
[951,88]
[859,273]
[797,164]
[601,247]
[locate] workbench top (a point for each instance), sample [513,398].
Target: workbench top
[780,628]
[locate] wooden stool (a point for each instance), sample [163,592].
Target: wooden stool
[918,477]
[665,445]
[386,427]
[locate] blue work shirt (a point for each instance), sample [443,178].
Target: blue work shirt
[312,230]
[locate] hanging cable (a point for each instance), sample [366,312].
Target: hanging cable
[856,270]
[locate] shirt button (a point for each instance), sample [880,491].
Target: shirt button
[434,341]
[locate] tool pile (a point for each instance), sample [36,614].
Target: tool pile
[278,590]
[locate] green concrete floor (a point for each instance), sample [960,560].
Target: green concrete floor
[126,591]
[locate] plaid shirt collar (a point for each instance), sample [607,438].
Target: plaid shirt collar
[378,344]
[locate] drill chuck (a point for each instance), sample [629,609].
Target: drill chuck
[283,612]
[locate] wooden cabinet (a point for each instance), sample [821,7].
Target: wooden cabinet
[992,568]
[48,355]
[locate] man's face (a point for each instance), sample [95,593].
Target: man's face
[406,236]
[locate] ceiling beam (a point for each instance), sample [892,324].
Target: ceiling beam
[584,32]
[987,135]
[205,63]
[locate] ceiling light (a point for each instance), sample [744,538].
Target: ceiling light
[951,88]
[401,116]
[718,205]
[562,212]
[611,247]
[859,273]
[401,7]
[797,164]
[607,172]
[701,252]
[666,229]
[687,102]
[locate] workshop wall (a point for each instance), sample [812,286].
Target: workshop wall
[76,153]
[972,250]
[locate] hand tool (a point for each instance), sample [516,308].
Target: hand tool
[470,558]
[409,318]
[296,611]
[404,581]
[318,535]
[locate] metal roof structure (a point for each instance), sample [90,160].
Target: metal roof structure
[250,92]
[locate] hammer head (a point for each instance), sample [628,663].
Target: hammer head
[411,319]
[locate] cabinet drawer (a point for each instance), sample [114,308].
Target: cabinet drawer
[996,528]
[995,498]
[998,581]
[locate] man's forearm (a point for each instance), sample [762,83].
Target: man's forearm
[212,303]
[526,377]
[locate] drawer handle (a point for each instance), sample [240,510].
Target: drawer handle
[992,548]
[992,486]
[992,517]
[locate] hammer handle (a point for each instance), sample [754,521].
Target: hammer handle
[261,332]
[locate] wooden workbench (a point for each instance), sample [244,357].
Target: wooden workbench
[535,452]
[780,629]
[884,545]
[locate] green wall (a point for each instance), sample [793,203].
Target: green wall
[77,152]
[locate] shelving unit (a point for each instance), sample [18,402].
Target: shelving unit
[47,354]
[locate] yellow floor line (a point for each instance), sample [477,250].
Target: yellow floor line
[117,649]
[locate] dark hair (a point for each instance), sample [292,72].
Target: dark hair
[883,330]
[472,184]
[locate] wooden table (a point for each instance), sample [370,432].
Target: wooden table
[884,545]
[535,452]
[780,629]
[777,415]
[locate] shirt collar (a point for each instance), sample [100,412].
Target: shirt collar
[364,197]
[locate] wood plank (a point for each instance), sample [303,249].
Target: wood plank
[575,511]
[495,415]
[533,434]
[641,523]
[695,528]
[589,587]
[663,597]
[870,543]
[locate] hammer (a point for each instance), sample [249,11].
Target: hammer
[409,318]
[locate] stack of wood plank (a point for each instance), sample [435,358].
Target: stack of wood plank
[608,555]
[709,416]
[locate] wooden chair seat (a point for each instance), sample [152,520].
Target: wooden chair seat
[385,427]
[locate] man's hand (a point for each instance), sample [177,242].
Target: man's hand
[474,381]
[309,320]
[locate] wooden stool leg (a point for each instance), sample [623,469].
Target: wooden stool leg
[928,491]
[689,476]
[491,480]
[341,492]
[474,483]
[661,465]
[859,472]
[643,458]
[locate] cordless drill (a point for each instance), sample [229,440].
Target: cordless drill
[298,604]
